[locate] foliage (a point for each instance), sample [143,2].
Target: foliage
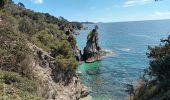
[13,50]
[15,87]
[160,61]
[66,64]
[77,25]
[159,70]
[21,4]
[2,2]
[59,49]
[41,28]
[20,26]
[72,40]
[26,27]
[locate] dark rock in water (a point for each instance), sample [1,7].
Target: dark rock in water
[92,49]
[92,72]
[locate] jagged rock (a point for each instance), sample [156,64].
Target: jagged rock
[49,78]
[92,49]
[71,38]
[77,53]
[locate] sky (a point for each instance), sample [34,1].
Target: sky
[102,10]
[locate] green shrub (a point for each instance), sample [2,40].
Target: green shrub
[66,63]
[49,42]
[26,27]
[14,87]
[21,26]
[2,2]
[160,62]
[72,40]
[157,76]
[13,50]
[59,49]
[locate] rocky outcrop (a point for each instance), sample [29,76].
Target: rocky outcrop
[72,40]
[77,53]
[92,49]
[51,79]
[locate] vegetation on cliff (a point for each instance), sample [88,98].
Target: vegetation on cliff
[59,49]
[16,87]
[21,25]
[18,28]
[155,84]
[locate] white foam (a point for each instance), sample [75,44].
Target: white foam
[109,53]
[125,49]
[139,35]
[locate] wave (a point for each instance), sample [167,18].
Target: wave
[140,35]
[109,53]
[125,49]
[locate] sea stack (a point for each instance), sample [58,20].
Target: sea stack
[92,49]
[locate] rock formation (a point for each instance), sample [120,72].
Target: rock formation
[92,49]
[49,78]
[73,42]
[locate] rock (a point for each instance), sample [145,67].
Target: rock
[77,53]
[92,72]
[49,78]
[87,98]
[92,49]
[71,38]
[84,92]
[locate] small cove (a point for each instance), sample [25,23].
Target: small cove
[129,42]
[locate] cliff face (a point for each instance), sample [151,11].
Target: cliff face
[54,83]
[92,49]
[72,40]
[37,46]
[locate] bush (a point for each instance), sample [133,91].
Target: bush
[160,62]
[160,68]
[14,87]
[26,27]
[59,49]
[2,2]
[72,40]
[21,26]
[66,63]
[13,50]
[157,76]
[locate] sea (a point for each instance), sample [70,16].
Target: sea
[128,43]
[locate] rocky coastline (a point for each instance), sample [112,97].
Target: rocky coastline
[42,48]
[45,50]
[47,75]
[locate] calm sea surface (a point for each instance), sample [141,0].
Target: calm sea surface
[129,42]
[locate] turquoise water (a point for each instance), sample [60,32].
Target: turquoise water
[129,42]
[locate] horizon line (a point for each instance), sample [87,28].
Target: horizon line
[122,21]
